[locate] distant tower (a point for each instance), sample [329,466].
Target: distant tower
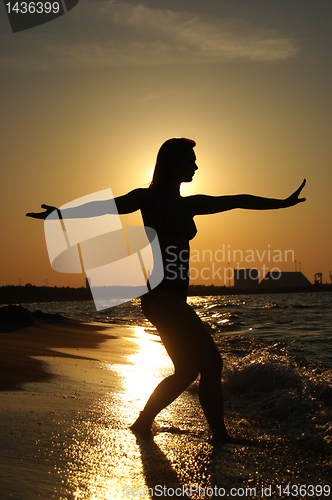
[318,278]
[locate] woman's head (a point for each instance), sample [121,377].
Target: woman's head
[171,158]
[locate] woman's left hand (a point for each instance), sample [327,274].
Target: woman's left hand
[294,199]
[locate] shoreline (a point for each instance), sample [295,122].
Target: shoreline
[21,345]
[29,294]
[65,429]
[67,435]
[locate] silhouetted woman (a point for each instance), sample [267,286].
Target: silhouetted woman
[184,335]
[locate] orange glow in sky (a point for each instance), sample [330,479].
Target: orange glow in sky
[88,99]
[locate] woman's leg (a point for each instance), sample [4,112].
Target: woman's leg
[192,351]
[210,391]
[163,395]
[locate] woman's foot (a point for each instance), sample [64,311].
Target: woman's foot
[222,438]
[141,426]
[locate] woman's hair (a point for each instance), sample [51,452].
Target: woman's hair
[170,153]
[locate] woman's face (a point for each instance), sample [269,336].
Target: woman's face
[186,167]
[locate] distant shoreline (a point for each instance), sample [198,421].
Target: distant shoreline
[27,294]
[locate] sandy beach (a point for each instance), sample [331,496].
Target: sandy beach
[69,392]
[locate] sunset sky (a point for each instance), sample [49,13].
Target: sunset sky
[87,100]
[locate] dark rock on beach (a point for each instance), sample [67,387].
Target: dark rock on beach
[13,317]
[13,314]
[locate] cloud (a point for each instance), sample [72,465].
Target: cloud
[165,35]
[119,33]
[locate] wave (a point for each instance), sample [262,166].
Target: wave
[277,370]
[283,394]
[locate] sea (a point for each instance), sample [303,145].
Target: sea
[277,353]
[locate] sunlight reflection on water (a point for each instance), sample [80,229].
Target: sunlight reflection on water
[99,458]
[148,366]
[102,455]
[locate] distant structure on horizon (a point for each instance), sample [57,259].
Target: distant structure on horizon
[285,279]
[318,279]
[249,279]
[246,278]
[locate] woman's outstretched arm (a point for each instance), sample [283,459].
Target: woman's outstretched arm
[125,204]
[48,209]
[202,204]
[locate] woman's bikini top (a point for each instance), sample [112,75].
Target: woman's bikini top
[175,227]
[177,221]
[169,217]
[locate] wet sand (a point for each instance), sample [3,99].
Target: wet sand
[71,392]
[20,345]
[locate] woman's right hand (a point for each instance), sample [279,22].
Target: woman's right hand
[42,215]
